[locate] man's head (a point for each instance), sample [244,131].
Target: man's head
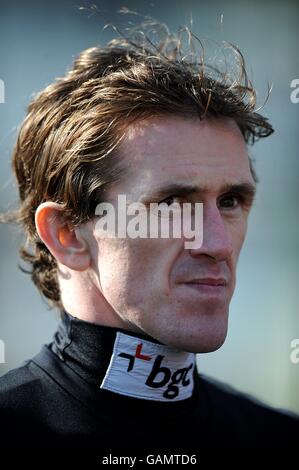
[126,120]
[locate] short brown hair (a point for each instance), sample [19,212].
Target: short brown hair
[66,150]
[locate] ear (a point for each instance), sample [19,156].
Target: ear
[64,242]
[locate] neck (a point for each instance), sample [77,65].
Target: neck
[123,362]
[92,308]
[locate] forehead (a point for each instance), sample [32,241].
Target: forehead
[211,152]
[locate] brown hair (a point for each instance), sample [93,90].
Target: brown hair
[66,150]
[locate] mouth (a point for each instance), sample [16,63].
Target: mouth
[208,286]
[220,282]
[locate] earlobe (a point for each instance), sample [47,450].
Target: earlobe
[61,239]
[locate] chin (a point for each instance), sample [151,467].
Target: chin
[206,344]
[201,339]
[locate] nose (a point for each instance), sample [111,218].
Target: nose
[217,242]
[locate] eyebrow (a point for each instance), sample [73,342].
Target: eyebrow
[245,188]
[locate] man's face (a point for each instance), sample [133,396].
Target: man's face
[157,286]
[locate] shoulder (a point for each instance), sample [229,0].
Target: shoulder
[248,418]
[19,388]
[27,390]
[23,407]
[222,394]
[17,380]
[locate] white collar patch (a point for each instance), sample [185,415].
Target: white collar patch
[142,369]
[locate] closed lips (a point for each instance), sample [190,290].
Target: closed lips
[208,281]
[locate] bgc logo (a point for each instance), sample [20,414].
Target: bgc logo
[159,375]
[140,368]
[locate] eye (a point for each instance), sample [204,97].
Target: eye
[231,201]
[170,200]
[173,206]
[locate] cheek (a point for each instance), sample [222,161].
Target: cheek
[132,269]
[112,269]
[237,234]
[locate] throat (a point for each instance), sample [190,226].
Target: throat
[120,362]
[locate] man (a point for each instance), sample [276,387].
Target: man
[139,121]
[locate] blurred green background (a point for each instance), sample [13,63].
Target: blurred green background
[38,41]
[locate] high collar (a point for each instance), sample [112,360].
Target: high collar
[125,363]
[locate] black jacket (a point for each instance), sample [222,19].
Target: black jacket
[54,402]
